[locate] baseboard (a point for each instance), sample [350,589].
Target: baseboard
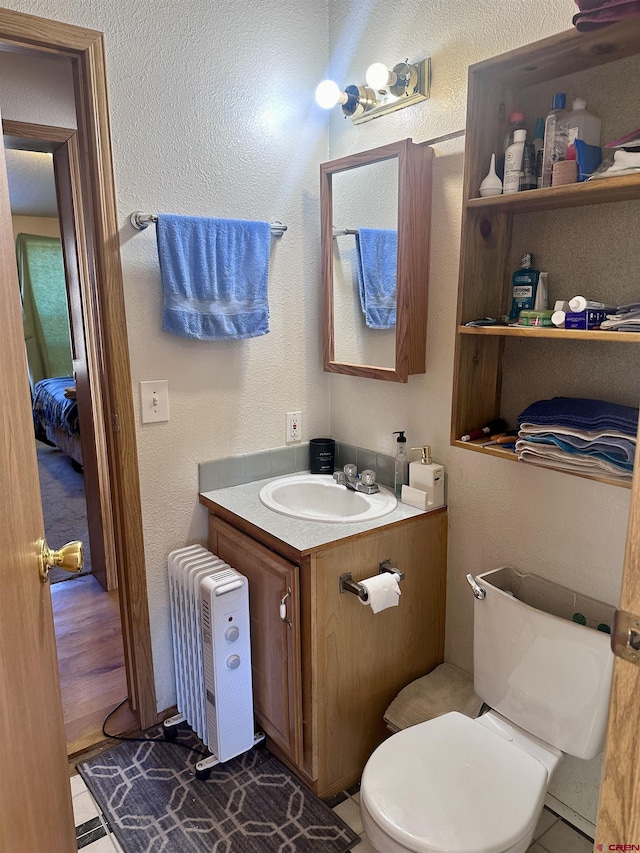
[577,820]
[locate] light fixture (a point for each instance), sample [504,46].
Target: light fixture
[386,90]
[401,81]
[355,100]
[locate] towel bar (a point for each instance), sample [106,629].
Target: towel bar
[140,221]
[347,584]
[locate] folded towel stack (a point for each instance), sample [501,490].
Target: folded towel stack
[625,319]
[595,14]
[579,435]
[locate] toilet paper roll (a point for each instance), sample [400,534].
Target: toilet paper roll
[382,590]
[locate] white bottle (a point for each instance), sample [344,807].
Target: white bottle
[583,125]
[427,476]
[513,163]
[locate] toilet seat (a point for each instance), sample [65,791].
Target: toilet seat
[450,785]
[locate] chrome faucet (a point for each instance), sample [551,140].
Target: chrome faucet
[364,482]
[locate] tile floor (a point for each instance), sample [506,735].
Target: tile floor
[552,834]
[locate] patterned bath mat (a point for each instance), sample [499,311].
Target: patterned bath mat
[251,804]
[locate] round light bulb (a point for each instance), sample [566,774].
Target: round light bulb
[328,94]
[378,75]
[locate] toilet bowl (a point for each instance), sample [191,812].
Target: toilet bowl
[457,785]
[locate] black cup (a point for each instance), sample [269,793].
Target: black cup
[322,453]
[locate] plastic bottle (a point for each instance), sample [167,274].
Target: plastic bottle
[524,284]
[516,122]
[583,125]
[538,135]
[401,464]
[513,163]
[556,133]
[528,169]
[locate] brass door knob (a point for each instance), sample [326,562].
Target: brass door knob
[70,558]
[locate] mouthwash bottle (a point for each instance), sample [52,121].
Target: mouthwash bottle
[524,284]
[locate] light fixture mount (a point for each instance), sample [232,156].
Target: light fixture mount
[412,84]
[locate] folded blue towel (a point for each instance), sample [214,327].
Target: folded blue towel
[550,439]
[580,413]
[377,252]
[214,276]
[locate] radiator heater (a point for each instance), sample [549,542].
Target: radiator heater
[209,604]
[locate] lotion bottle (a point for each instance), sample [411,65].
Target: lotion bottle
[513,163]
[427,476]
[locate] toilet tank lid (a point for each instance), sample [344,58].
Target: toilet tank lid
[452,785]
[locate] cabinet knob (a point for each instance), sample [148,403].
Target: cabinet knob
[233,661]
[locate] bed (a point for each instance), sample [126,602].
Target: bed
[55,414]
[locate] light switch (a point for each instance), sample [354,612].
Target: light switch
[154,401]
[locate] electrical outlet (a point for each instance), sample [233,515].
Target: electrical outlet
[154,401]
[294,426]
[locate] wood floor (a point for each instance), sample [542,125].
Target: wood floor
[90,659]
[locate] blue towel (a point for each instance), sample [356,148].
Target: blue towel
[614,458]
[214,276]
[584,414]
[377,252]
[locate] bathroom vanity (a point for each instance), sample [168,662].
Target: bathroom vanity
[325,668]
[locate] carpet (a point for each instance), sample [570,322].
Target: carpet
[251,804]
[63,505]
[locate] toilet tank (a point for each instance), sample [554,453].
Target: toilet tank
[536,666]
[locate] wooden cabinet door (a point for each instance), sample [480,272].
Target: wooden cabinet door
[275,644]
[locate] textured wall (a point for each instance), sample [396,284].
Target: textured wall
[212,113]
[190,137]
[562,527]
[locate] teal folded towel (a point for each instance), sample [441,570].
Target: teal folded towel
[214,277]
[377,251]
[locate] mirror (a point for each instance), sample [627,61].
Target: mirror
[376,212]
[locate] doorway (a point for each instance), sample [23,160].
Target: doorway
[86,609]
[101,363]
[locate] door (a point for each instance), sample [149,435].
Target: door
[35,796]
[619,809]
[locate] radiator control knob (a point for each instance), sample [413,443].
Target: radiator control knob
[232,633]
[233,661]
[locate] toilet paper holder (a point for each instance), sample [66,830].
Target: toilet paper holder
[347,583]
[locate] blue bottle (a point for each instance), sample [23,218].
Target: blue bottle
[524,284]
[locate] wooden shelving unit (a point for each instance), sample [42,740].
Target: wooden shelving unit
[497,87]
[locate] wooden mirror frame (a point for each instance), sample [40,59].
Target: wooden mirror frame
[412,280]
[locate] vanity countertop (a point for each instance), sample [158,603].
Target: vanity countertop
[242,502]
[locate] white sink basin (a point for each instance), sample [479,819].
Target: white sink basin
[317,497]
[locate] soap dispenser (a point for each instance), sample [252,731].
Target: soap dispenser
[428,476]
[401,463]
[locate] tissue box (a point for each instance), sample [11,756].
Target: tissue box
[589,319]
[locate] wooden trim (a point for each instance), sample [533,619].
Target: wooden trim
[86,49]
[595,335]
[619,806]
[35,137]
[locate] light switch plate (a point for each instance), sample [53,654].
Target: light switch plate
[154,401]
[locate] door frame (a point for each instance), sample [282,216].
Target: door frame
[62,144]
[85,49]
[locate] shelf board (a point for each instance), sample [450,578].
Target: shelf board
[573,195]
[496,450]
[550,332]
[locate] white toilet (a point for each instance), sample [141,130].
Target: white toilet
[457,785]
